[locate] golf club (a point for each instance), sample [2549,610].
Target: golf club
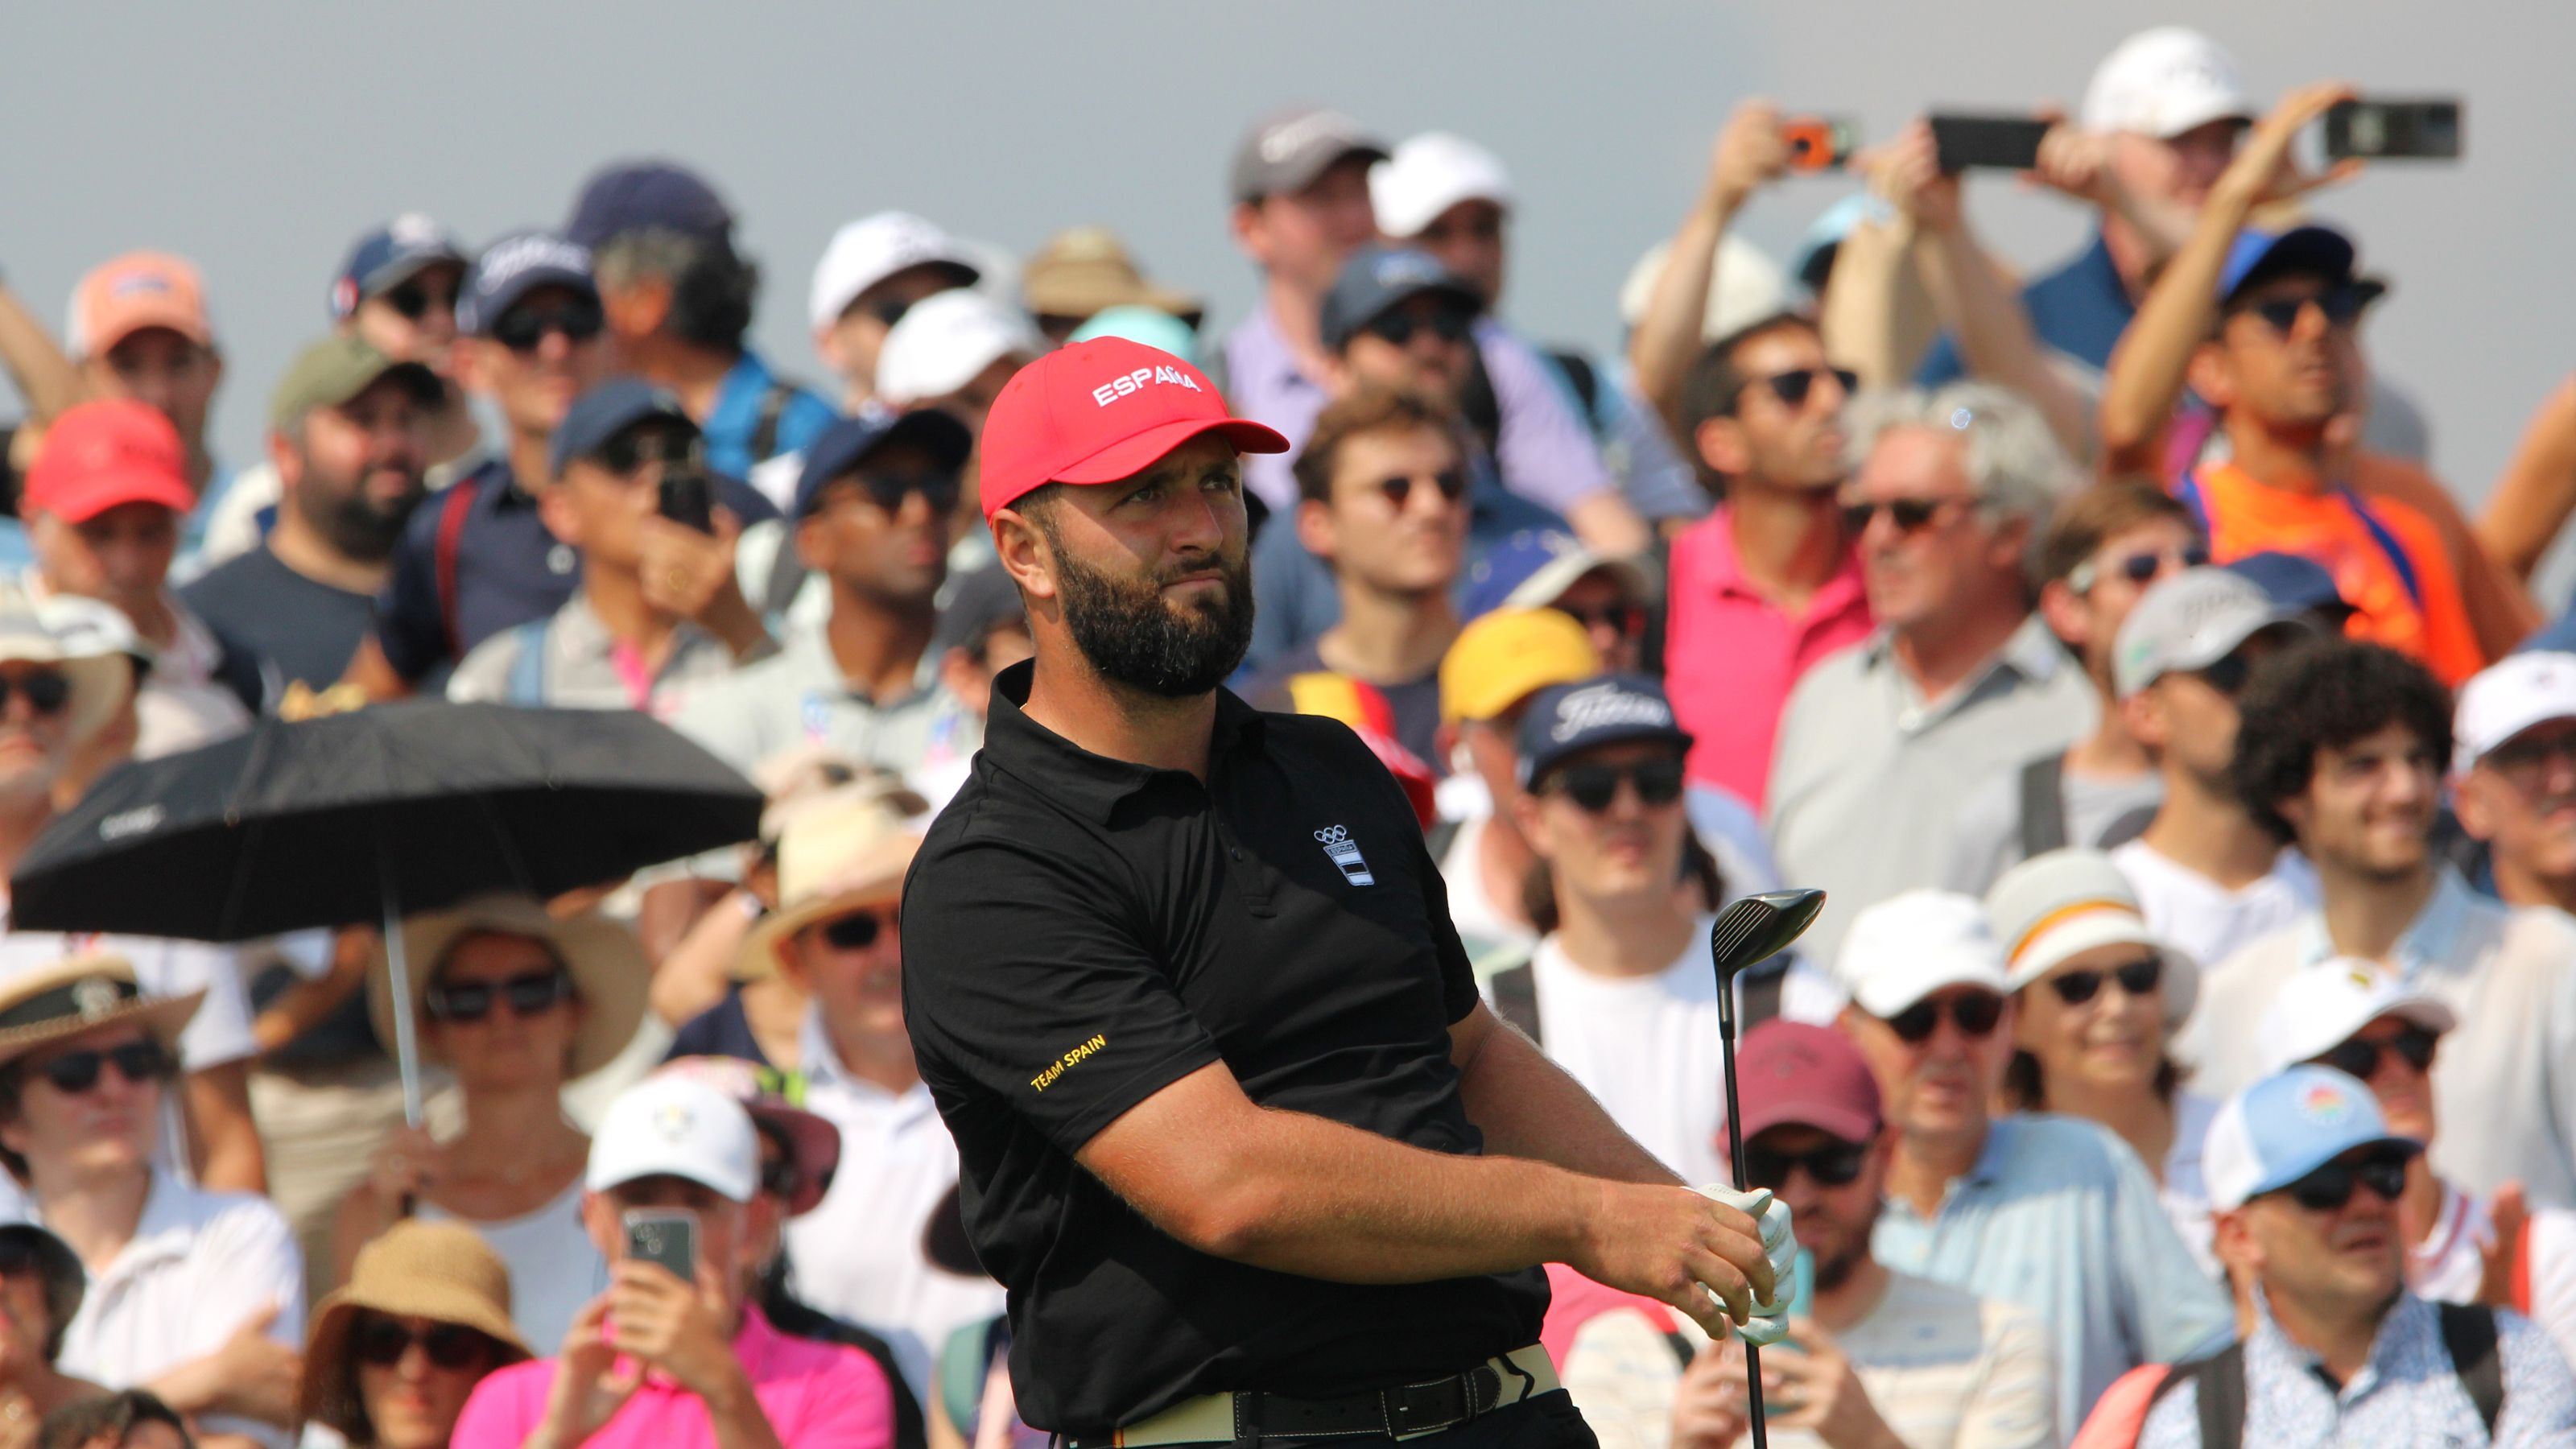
[1753,929]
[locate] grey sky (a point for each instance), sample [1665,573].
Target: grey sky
[259,139]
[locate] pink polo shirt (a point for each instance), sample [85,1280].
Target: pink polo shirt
[817,1396]
[1731,655]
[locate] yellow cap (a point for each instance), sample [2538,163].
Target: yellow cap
[1505,656]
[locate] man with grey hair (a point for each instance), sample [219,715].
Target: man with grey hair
[678,300]
[1880,744]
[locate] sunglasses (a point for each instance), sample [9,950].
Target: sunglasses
[46,691]
[1835,1165]
[855,932]
[888,490]
[2141,569]
[890,310]
[2358,1059]
[2135,977]
[1592,788]
[1975,1015]
[521,329]
[2331,1186]
[2340,304]
[2526,753]
[2229,674]
[1623,619]
[528,995]
[1793,387]
[138,1062]
[1910,515]
[1400,328]
[628,452]
[414,301]
[382,1342]
[1451,482]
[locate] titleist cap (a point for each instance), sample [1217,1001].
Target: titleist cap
[1099,411]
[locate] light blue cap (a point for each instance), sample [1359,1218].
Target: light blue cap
[2286,1126]
[1149,325]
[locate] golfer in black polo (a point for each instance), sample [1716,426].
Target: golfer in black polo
[1234,1129]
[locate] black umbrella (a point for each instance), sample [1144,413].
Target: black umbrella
[357,818]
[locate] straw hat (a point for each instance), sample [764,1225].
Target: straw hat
[836,853]
[608,970]
[1085,270]
[56,633]
[439,1271]
[81,994]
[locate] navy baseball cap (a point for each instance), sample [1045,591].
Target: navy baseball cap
[626,196]
[512,267]
[2291,581]
[607,410]
[2307,251]
[389,256]
[848,442]
[1564,720]
[1377,279]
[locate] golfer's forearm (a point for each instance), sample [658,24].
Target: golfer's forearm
[1527,1106]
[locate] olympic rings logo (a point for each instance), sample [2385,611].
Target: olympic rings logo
[1334,836]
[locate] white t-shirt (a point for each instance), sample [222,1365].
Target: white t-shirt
[2205,920]
[1646,1046]
[555,1269]
[2549,1267]
[2450,1265]
[857,1255]
[2185,1193]
[1491,939]
[199,1264]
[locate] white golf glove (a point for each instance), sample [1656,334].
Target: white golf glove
[1770,1321]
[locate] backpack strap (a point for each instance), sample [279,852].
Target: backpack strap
[2043,806]
[2195,500]
[786,579]
[2387,540]
[773,407]
[2469,1332]
[2220,1400]
[527,686]
[1585,379]
[452,510]
[1515,991]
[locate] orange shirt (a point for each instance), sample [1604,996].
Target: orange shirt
[2387,559]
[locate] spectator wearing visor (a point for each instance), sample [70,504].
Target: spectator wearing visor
[2513,777]
[1394,321]
[397,292]
[658,612]
[514,1002]
[871,520]
[2052,1213]
[2208,877]
[478,559]
[679,300]
[2306,1178]
[873,272]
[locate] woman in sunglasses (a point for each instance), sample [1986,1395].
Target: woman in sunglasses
[2358,1018]
[2097,999]
[514,1002]
[397,1350]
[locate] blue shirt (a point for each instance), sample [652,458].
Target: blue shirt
[2058,1216]
[2408,1393]
[2080,309]
[734,421]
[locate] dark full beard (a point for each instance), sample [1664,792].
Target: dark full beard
[1133,637]
[356,526]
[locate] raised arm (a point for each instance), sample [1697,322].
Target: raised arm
[2154,356]
[1667,339]
[35,362]
[2537,491]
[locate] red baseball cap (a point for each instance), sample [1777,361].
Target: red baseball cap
[1787,1072]
[1099,411]
[101,454]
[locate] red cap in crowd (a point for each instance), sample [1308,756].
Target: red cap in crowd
[1099,411]
[1790,1073]
[102,454]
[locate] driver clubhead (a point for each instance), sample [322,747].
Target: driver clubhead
[1760,927]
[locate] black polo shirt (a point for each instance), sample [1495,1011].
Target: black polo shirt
[1080,932]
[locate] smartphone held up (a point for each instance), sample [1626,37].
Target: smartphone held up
[2394,130]
[668,1236]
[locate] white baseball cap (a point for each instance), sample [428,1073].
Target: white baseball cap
[2053,907]
[2163,82]
[1748,286]
[1908,946]
[945,340]
[668,1126]
[2322,1006]
[2508,697]
[2284,1127]
[1430,174]
[873,248]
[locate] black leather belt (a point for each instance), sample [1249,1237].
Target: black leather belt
[1403,1412]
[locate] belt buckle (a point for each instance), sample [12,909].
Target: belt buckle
[1408,1408]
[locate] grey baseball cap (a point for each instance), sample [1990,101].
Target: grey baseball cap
[2191,621]
[1288,148]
